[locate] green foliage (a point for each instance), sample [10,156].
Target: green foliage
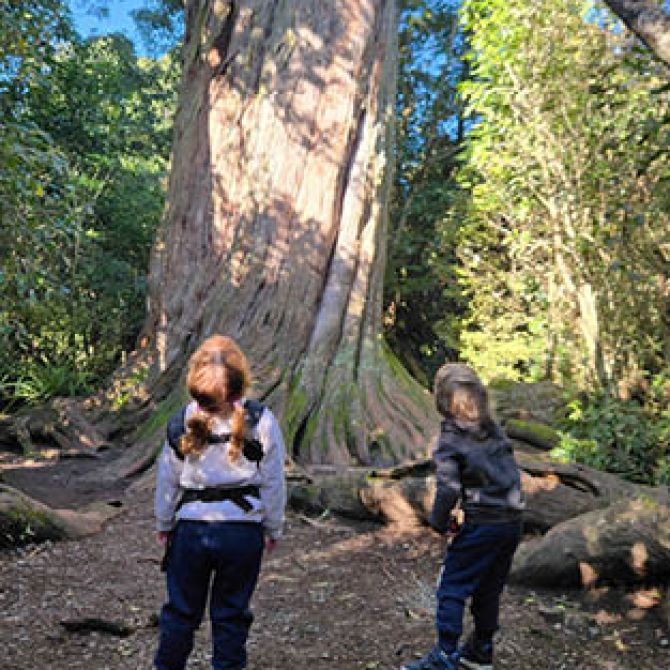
[624,437]
[160,23]
[84,147]
[530,217]
[39,233]
[534,432]
[39,382]
[562,242]
[30,31]
[422,296]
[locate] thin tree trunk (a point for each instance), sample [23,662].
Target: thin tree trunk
[276,221]
[649,21]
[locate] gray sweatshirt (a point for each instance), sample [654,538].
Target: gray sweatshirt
[475,464]
[212,468]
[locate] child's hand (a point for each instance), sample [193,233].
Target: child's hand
[163,536]
[456,520]
[454,527]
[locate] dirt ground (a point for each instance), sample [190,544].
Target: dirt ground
[334,594]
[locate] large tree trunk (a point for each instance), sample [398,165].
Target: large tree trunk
[649,21]
[276,221]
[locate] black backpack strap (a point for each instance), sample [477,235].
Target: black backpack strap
[218,493]
[252,412]
[253,449]
[175,429]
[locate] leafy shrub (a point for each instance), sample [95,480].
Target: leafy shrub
[624,437]
[39,382]
[84,149]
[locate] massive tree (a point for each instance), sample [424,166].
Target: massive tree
[276,219]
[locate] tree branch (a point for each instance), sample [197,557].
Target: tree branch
[649,21]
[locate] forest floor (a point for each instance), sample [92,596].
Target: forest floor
[334,594]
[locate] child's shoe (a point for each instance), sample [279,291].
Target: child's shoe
[476,654]
[435,659]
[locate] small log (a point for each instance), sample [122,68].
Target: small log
[364,495]
[93,624]
[533,432]
[61,423]
[555,492]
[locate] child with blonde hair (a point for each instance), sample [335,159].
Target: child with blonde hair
[474,463]
[220,497]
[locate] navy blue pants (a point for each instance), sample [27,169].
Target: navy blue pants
[476,565]
[219,559]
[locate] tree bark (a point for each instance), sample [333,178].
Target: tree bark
[597,527]
[61,423]
[555,492]
[629,541]
[276,222]
[649,21]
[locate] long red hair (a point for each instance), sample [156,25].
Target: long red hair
[218,376]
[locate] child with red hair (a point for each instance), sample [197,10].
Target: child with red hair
[220,498]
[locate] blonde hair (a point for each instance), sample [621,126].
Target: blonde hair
[218,376]
[460,394]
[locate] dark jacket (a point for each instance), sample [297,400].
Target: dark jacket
[476,465]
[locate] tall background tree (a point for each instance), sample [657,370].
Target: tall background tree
[423,304]
[567,166]
[564,241]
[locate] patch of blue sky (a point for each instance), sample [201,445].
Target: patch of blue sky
[95,17]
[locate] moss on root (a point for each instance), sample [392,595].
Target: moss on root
[20,525]
[502,384]
[402,377]
[296,401]
[538,434]
[159,417]
[365,410]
